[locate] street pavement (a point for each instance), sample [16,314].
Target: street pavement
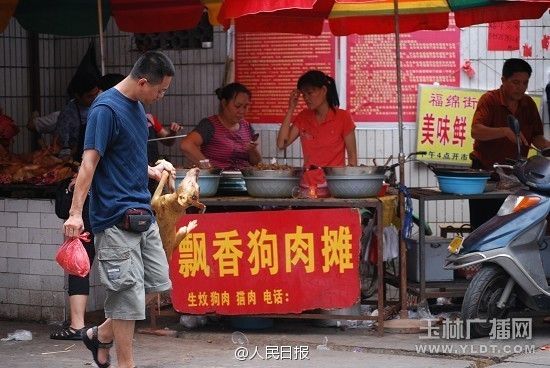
[290,343]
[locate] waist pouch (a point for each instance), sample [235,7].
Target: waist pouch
[136,220]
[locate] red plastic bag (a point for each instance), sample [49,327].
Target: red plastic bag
[313,183]
[72,256]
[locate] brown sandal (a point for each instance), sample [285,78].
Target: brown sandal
[93,344]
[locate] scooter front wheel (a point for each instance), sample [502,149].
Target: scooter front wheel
[481,297]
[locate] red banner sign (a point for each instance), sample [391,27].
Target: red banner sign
[267,262]
[503,36]
[426,57]
[269,64]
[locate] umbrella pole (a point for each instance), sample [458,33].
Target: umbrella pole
[403,314]
[101,41]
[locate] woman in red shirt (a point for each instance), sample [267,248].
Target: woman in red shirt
[326,132]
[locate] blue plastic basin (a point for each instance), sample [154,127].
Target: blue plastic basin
[462,185]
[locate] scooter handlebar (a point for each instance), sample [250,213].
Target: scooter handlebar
[503,166]
[419,153]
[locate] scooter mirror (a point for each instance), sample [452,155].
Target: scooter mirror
[513,124]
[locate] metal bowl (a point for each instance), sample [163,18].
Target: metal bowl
[353,170]
[262,173]
[208,180]
[271,187]
[355,186]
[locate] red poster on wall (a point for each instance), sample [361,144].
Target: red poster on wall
[426,57]
[267,262]
[503,36]
[271,63]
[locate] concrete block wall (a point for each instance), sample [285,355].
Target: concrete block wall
[32,284]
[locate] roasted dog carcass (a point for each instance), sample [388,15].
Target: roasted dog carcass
[170,207]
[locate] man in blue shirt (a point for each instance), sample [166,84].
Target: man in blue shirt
[131,260]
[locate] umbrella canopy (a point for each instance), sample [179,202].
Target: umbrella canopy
[72,17]
[61,17]
[150,16]
[369,16]
[301,16]
[79,17]
[348,17]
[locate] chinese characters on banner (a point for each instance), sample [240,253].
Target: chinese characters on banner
[267,262]
[426,57]
[503,36]
[269,64]
[444,123]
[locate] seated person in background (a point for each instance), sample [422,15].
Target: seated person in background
[71,123]
[225,139]
[326,132]
[494,141]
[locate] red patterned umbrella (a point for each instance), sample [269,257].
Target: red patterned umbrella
[366,16]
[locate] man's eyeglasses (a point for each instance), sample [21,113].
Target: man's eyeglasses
[160,91]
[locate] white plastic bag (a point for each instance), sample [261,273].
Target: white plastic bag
[18,335]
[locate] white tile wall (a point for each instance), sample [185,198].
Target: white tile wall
[32,284]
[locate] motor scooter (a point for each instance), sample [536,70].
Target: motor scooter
[508,249]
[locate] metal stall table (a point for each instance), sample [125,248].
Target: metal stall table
[439,288]
[372,203]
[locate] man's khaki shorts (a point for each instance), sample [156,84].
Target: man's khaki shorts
[130,265]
